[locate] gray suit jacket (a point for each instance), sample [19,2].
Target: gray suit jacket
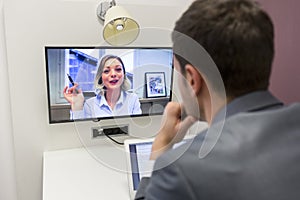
[256,157]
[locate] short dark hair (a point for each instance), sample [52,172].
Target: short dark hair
[239,37]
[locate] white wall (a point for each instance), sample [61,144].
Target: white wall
[29,26]
[8,189]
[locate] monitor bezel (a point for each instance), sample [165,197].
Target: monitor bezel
[97,119]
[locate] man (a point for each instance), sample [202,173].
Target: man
[251,148]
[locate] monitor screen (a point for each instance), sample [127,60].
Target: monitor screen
[95,83]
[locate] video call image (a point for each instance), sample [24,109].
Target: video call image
[87,83]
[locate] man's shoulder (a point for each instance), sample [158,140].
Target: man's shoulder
[246,147]
[269,118]
[256,126]
[230,137]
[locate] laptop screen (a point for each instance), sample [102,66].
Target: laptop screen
[141,164]
[139,161]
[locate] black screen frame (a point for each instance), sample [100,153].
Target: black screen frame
[50,117]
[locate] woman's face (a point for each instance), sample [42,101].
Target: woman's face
[113,74]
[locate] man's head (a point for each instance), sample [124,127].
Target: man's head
[237,34]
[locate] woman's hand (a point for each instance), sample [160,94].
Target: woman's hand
[74,96]
[172,130]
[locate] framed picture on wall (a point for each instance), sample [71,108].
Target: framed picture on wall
[155,84]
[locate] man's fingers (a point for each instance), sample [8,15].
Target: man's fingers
[187,123]
[184,126]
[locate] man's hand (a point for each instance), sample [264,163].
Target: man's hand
[172,129]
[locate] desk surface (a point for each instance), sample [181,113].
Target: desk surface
[76,174]
[93,173]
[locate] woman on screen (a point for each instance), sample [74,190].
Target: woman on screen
[112,96]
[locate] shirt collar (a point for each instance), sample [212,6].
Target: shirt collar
[103,102]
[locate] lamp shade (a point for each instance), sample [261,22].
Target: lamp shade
[119,27]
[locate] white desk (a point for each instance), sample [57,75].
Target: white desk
[76,174]
[95,173]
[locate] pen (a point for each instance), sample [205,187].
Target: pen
[72,82]
[70,79]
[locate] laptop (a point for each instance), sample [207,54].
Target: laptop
[138,161]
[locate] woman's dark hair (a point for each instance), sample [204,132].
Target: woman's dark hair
[239,37]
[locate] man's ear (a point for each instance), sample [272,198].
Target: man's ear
[194,78]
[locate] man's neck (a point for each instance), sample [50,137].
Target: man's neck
[211,106]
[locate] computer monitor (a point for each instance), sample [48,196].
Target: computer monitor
[149,72]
